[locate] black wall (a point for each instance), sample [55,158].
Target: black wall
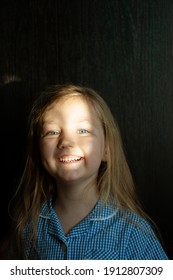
[121,48]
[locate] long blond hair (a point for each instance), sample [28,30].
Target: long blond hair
[36,185]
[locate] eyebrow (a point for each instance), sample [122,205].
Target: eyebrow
[94,122]
[54,121]
[84,120]
[47,122]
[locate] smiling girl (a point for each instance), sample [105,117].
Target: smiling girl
[76,198]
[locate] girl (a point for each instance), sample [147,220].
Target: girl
[76,198]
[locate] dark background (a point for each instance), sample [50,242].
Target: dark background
[121,48]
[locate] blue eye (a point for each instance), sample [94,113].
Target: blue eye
[52,132]
[83,131]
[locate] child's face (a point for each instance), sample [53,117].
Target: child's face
[72,144]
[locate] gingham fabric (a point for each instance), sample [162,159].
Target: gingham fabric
[105,234]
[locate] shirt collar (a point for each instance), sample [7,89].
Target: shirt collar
[99,217]
[101,211]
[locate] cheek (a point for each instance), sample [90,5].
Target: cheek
[46,150]
[95,149]
[88,145]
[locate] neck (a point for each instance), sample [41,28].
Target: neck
[76,195]
[74,203]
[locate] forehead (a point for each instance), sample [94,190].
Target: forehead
[72,107]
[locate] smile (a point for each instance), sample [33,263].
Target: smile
[69,159]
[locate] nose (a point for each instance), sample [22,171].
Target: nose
[66,140]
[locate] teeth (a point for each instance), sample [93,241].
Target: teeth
[69,159]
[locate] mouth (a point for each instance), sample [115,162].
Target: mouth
[69,159]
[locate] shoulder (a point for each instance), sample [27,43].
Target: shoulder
[140,239]
[124,222]
[131,235]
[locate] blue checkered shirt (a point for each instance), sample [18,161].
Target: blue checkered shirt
[105,234]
